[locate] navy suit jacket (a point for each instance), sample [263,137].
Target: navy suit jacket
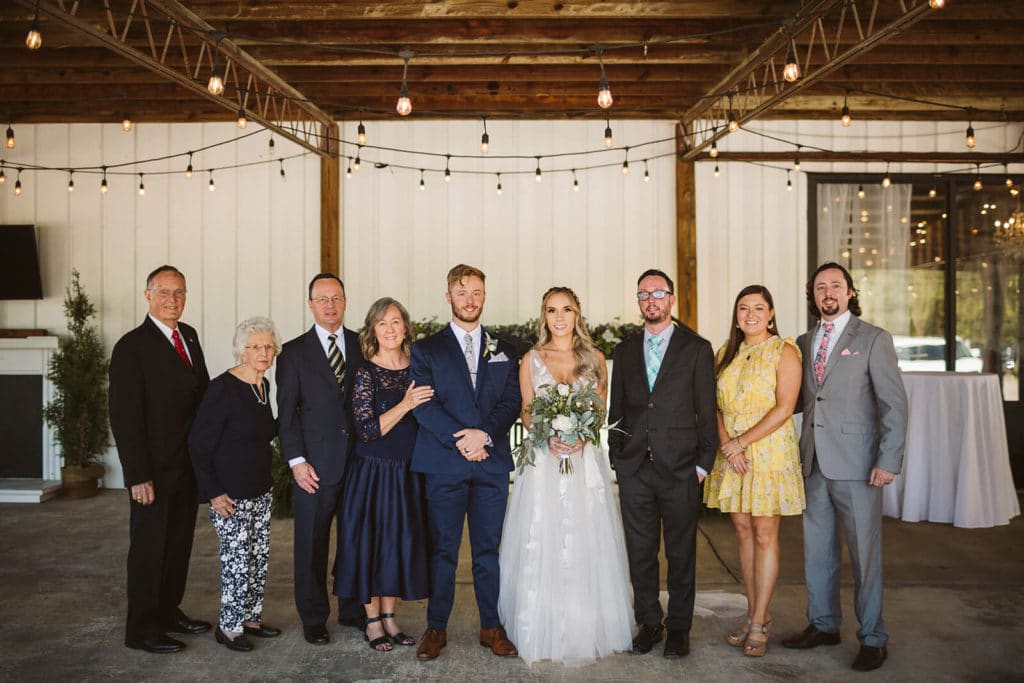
[493,406]
[313,412]
[153,399]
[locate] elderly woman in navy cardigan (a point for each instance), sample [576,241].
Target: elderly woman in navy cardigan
[231,454]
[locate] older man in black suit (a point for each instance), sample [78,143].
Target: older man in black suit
[663,397]
[314,391]
[157,379]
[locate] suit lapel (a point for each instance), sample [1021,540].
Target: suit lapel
[318,359]
[848,337]
[166,348]
[482,362]
[671,355]
[454,346]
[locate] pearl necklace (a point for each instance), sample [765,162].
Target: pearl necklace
[262,401]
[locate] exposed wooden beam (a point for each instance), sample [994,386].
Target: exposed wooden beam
[854,156]
[686,242]
[330,207]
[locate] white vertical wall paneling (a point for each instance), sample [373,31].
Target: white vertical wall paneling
[53,250]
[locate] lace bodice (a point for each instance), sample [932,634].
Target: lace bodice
[376,390]
[541,376]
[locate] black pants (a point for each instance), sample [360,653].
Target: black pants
[158,555]
[650,502]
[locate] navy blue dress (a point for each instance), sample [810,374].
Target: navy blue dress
[382,541]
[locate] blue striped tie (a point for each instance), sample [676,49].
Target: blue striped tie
[653,360]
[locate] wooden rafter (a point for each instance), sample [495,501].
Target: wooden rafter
[188,52]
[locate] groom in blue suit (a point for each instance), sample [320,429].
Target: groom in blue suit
[462,447]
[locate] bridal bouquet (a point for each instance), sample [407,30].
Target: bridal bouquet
[573,415]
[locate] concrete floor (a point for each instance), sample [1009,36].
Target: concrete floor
[953,604]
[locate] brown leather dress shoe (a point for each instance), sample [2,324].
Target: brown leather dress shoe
[431,643]
[496,639]
[870,658]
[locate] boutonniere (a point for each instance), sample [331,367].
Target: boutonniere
[490,344]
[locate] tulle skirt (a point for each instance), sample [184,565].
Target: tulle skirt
[565,592]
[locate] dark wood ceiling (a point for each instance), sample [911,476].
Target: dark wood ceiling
[510,59]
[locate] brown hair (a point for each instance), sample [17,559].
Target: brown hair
[582,344]
[368,337]
[736,334]
[854,301]
[460,272]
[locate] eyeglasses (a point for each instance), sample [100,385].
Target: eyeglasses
[168,293]
[324,300]
[658,294]
[262,348]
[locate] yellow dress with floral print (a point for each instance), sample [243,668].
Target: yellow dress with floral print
[773,484]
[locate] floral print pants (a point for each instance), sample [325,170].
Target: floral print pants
[244,550]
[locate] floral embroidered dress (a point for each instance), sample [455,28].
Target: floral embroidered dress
[774,484]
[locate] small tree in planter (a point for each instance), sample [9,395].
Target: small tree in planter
[78,413]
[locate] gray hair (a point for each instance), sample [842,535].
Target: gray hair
[247,328]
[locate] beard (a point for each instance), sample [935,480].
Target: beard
[470,318]
[829,307]
[656,315]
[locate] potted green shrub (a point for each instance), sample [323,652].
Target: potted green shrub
[78,412]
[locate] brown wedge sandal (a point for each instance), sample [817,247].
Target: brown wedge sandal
[757,640]
[739,637]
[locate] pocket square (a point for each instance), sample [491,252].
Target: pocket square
[500,358]
[847,352]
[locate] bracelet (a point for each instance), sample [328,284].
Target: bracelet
[740,444]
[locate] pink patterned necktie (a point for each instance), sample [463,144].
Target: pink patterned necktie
[179,346]
[819,357]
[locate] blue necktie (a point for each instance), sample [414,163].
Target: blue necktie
[653,360]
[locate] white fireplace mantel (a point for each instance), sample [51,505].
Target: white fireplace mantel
[31,356]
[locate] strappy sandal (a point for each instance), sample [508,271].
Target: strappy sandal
[757,640]
[738,637]
[382,644]
[399,638]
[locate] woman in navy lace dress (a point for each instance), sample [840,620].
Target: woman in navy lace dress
[382,553]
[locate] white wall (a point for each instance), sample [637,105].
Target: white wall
[246,249]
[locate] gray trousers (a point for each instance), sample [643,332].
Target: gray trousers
[857,506]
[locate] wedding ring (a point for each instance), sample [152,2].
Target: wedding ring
[138,499]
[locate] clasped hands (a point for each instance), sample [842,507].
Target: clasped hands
[223,505]
[560,449]
[472,444]
[733,451]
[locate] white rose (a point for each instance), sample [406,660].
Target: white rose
[561,423]
[563,389]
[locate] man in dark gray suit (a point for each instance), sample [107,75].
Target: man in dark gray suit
[854,431]
[314,389]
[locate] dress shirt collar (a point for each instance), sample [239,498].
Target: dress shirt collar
[322,335]
[665,335]
[460,334]
[167,332]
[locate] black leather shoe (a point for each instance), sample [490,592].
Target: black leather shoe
[353,622]
[189,627]
[239,644]
[870,658]
[316,635]
[677,644]
[811,637]
[160,645]
[646,637]
[262,631]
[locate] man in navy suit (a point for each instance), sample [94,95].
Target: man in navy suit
[157,379]
[462,447]
[314,389]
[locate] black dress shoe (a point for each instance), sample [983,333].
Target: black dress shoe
[677,644]
[187,626]
[811,637]
[159,645]
[316,635]
[870,658]
[239,644]
[646,637]
[262,631]
[353,622]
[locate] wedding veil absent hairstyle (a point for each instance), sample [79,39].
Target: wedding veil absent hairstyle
[460,272]
[854,300]
[368,336]
[582,345]
[736,334]
[249,327]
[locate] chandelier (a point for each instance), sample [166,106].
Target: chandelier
[1009,236]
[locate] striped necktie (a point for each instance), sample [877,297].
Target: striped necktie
[336,360]
[653,360]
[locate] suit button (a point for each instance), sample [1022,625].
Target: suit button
[819,398]
[650,405]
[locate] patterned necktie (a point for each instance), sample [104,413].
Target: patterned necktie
[179,346]
[653,360]
[821,355]
[336,360]
[470,358]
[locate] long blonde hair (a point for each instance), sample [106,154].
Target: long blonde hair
[582,344]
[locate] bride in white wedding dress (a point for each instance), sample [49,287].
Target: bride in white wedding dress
[565,593]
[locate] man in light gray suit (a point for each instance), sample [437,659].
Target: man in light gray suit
[854,430]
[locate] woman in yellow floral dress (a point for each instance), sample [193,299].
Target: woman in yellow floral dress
[757,476]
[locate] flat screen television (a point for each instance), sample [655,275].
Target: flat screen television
[19,263]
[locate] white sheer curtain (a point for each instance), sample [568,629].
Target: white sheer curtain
[870,235]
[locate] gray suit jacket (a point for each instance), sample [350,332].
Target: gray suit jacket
[856,419]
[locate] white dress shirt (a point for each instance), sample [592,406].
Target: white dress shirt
[168,332]
[833,340]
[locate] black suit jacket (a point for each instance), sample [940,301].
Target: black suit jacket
[313,411]
[676,421]
[154,397]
